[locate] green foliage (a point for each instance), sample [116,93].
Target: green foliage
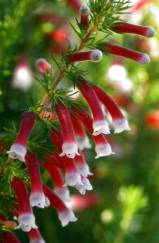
[107,13]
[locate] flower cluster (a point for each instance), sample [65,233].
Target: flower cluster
[66,165]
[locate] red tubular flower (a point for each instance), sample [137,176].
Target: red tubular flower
[65,215]
[152,119]
[37,197]
[60,39]
[84,20]
[72,176]
[55,159]
[102,147]
[142,58]
[69,146]
[94,55]
[58,180]
[134,29]
[119,121]
[18,149]
[82,165]
[74,4]
[59,36]
[84,185]
[43,66]
[35,236]
[26,218]
[55,173]
[10,238]
[56,139]
[82,139]
[100,125]
[79,202]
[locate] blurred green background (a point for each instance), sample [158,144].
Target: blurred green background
[125,207]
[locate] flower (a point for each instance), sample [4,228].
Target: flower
[56,139]
[63,193]
[55,173]
[26,218]
[102,147]
[134,29]
[69,146]
[43,66]
[119,120]
[94,55]
[84,18]
[79,202]
[59,36]
[26,222]
[100,125]
[118,50]
[35,236]
[72,176]
[82,165]
[85,186]
[58,180]
[37,197]
[22,76]
[152,119]
[18,149]
[81,137]
[65,214]
[8,237]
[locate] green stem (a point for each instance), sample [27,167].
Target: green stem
[61,74]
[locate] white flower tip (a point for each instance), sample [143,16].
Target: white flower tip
[84,9]
[145,59]
[43,66]
[85,186]
[17,151]
[100,127]
[83,169]
[96,55]
[103,150]
[27,222]
[66,216]
[63,193]
[39,200]
[72,178]
[150,32]
[70,150]
[121,125]
[37,241]
[83,143]
[22,78]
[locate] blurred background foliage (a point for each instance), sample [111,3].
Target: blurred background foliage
[124,206]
